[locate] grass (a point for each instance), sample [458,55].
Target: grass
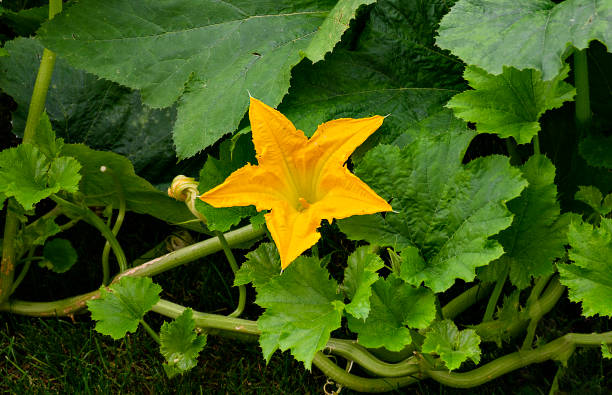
[63,356]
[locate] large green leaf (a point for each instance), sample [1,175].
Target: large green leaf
[331,29]
[180,344]
[302,308]
[123,305]
[392,68]
[452,345]
[538,233]
[105,188]
[205,53]
[86,109]
[359,276]
[510,104]
[394,305]
[523,33]
[589,279]
[445,211]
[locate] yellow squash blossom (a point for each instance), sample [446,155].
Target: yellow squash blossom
[302,181]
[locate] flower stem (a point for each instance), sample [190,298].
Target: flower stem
[150,331]
[37,105]
[232,261]
[581,79]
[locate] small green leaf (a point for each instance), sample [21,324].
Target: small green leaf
[120,309]
[596,150]
[453,346]
[59,255]
[233,154]
[29,176]
[302,309]
[511,103]
[394,305]
[523,34]
[262,265]
[330,31]
[358,279]
[37,232]
[45,140]
[590,195]
[589,279]
[606,351]
[180,344]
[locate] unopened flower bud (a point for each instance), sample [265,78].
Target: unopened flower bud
[183,188]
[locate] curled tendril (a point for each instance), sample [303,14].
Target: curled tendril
[185,189]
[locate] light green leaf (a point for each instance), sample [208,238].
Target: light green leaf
[45,140]
[232,156]
[445,209]
[375,230]
[597,150]
[330,31]
[523,33]
[86,109]
[29,176]
[589,279]
[358,279]
[593,197]
[394,305]
[180,344]
[453,346]
[123,305]
[538,233]
[606,351]
[302,309]
[37,232]
[205,53]
[393,69]
[511,103]
[59,255]
[262,265]
[100,188]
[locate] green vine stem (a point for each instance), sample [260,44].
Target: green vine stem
[558,349]
[116,227]
[581,79]
[27,262]
[37,105]
[69,306]
[466,299]
[499,286]
[91,218]
[150,331]
[515,156]
[7,265]
[232,262]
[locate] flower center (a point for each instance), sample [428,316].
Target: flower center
[303,203]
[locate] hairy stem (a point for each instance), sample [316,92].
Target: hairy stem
[232,262]
[499,286]
[9,255]
[581,79]
[37,105]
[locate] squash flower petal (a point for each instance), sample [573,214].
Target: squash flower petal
[301,181]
